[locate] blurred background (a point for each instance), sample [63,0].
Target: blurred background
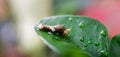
[18,18]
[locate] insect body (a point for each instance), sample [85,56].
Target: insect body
[57,29]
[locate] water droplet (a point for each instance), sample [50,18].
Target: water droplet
[81,39]
[68,35]
[81,25]
[103,33]
[97,43]
[49,33]
[89,42]
[56,38]
[85,45]
[105,53]
[70,19]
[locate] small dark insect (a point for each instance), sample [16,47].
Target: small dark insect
[57,29]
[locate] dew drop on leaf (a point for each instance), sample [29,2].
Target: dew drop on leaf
[103,33]
[49,33]
[85,45]
[105,53]
[81,39]
[89,42]
[70,19]
[97,43]
[81,25]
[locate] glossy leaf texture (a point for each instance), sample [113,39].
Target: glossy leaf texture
[86,36]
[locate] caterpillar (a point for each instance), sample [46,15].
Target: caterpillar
[57,29]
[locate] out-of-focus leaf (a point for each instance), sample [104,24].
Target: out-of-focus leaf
[115,46]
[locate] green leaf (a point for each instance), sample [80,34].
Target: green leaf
[64,49]
[115,46]
[86,35]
